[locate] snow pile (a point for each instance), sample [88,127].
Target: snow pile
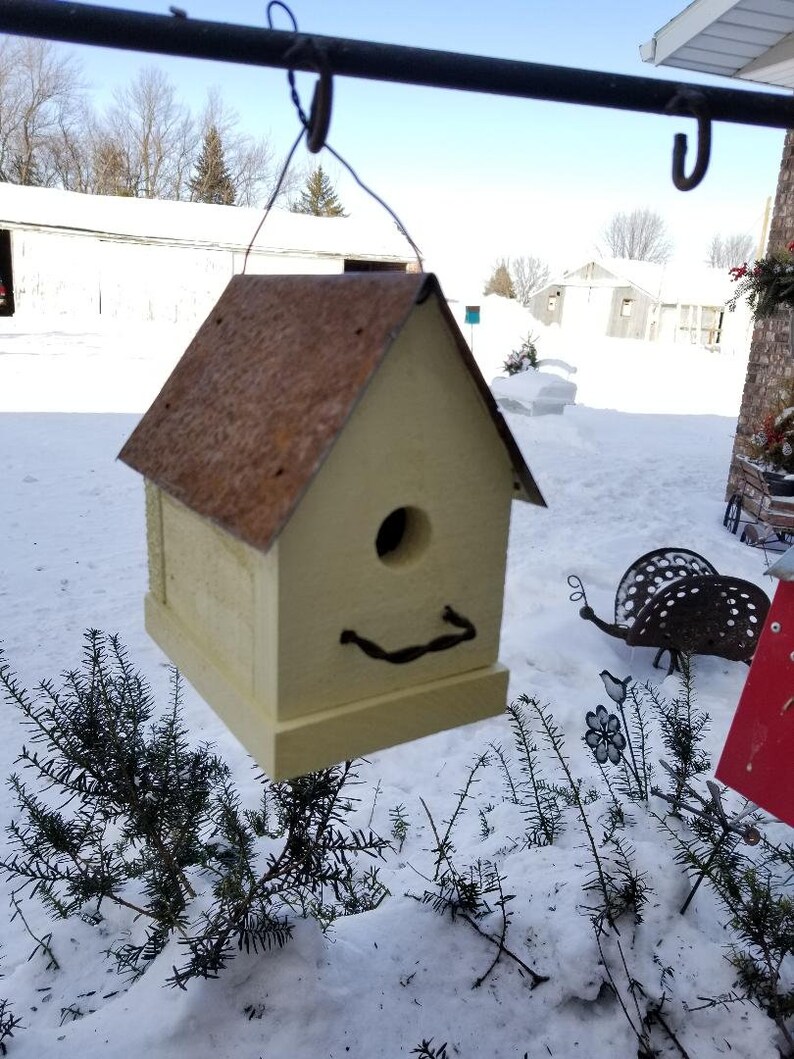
[533,392]
[621,373]
[617,484]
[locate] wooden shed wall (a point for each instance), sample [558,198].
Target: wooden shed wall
[539,304]
[635,325]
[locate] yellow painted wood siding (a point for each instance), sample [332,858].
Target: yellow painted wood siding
[211,591]
[420,437]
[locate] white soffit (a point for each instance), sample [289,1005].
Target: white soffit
[751,39]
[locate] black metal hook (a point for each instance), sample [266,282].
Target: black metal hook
[307,52]
[694,103]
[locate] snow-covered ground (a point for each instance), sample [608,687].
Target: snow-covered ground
[618,483]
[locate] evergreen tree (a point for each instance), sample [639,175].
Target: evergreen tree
[318,197]
[111,170]
[211,180]
[501,282]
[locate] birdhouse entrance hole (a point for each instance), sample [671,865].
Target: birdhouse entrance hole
[402,536]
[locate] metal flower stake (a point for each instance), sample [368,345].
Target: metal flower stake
[604,736]
[608,739]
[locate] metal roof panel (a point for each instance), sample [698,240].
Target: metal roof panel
[253,408]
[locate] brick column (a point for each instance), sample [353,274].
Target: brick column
[771,362]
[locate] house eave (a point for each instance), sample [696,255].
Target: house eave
[748,39]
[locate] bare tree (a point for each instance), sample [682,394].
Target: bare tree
[640,235]
[41,94]
[145,145]
[154,134]
[71,148]
[528,275]
[730,250]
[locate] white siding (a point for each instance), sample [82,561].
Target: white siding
[163,261]
[734,38]
[55,276]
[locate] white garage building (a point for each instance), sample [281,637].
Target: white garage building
[140,259]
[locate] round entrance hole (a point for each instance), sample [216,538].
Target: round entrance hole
[403,536]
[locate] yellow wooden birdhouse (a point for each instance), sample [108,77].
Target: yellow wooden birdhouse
[328,487]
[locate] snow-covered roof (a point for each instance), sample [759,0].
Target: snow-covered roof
[198,224]
[751,39]
[669,284]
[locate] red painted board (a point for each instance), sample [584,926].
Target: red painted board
[759,752]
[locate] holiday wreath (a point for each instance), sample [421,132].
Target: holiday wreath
[768,285]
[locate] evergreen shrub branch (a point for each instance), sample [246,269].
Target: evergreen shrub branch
[541,801]
[750,876]
[117,806]
[8,1023]
[753,885]
[400,825]
[638,772]
[472,894]
[428,1050]
[682,727]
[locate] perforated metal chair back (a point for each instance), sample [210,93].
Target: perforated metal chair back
[705,615]
[650,574]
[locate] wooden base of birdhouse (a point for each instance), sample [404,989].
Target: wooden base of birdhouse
[284,749]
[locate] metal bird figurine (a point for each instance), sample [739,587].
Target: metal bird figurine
[616,689]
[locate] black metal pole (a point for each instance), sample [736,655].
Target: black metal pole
[248,45]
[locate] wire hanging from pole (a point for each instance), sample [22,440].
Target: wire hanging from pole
[274,196]
[315,126]
[400,226]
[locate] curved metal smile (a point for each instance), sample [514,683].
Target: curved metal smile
[410,654]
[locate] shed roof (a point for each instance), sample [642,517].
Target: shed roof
[668,284]
[751,39]
[199,224]
[253,408]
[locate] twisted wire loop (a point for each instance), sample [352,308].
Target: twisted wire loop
[574,581]
[307,54]
[410,654]
[695,103]
[285,9]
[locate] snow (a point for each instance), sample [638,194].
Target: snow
[198,224]
[618,373]
[639,463]
[533,392]
[671,284]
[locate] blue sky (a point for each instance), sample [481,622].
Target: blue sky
[475,177]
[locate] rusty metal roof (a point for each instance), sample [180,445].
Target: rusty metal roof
[254,406]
